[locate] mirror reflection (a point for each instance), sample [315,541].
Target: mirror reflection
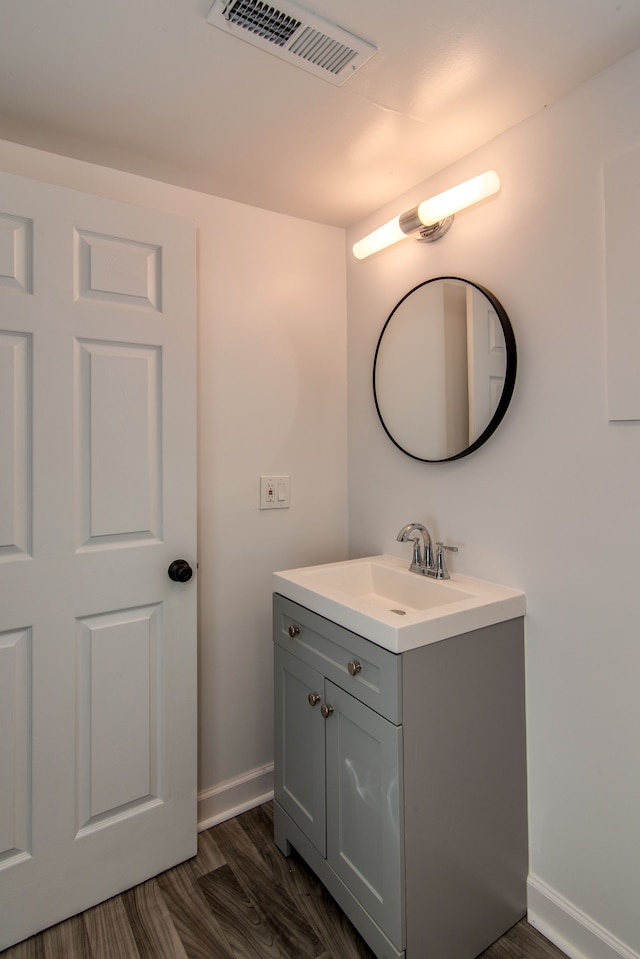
[444,369]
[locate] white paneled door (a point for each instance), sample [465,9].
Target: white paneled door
[97,499]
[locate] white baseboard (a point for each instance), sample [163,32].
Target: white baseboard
[570,929]
[235,796]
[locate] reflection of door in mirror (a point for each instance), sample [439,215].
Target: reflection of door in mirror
[456,393]
[429,402]
[487,361]
[444,369]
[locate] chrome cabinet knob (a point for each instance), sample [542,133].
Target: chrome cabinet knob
[314,699]
[293,631]
[354,667]
[326,710]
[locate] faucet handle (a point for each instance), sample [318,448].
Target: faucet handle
[417,551]
[441,567]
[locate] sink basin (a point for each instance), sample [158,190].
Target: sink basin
[373,581]
[379,598]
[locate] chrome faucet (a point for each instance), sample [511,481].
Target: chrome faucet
[422,559]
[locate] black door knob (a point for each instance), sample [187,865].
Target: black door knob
[180,571]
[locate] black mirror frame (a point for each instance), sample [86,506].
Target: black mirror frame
[509,380]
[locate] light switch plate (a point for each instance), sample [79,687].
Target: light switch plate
[275,492]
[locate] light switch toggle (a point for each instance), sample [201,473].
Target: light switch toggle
[275,492]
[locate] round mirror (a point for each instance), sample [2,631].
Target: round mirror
[444,369]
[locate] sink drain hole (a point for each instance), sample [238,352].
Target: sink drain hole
[400,612]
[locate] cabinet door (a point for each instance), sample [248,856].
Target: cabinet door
[300,745]
[364,808]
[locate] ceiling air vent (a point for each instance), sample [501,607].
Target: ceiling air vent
[295,35]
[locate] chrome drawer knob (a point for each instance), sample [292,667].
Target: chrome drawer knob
[314,699]
[354,667]
[326,710]
[293,631]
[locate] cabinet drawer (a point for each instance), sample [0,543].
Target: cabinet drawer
[330,649]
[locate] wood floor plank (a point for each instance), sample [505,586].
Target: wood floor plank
[287,924]
[109,931]
[209,855]
[522,941]
[337,932]
[244,926]
[237,847]
[69,939]
[151,923]
[199,931]
[329,922]
[258,825]
[28,949]
[528,937]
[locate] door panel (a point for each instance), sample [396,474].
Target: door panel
[16,253]
[112,269]
[15,428]
[118,396]
[299,737]
[119,668]
[15,742]
[364,808]
[97,497]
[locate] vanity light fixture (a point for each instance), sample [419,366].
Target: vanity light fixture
[430,219]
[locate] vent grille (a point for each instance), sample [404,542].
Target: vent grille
[262,20]
[322,50]
[295,35]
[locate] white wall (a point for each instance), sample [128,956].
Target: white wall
[551,503]
[272,399]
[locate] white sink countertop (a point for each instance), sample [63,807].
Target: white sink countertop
[381,600]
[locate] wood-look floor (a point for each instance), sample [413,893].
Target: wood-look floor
[239,898]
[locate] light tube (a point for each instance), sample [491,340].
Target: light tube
[429,212]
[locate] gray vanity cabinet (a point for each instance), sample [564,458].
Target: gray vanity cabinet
[408,796]
[338,782]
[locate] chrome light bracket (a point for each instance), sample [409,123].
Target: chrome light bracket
[435,230]
[411,225]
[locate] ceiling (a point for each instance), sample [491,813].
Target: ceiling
[150,87]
